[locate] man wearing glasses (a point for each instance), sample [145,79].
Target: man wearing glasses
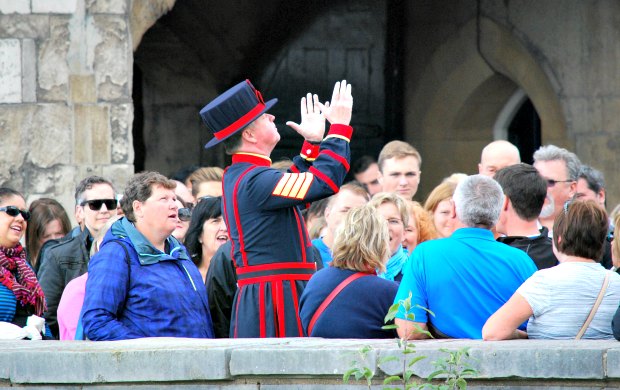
[560,168]
[62,262]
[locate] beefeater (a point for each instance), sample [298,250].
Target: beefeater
[262,206]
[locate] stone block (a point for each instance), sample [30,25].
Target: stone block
[91,135]
[10,71]
[106,6]
[14,120]
[611,119]
[53,67]
[112,57]
[613,363]
[29,71]
[24,26]
[83,88]
[14,7]
[54,7]
[121,120]
[50,135]
[119,174]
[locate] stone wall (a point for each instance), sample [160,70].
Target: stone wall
[307,363]
[66,110]
[465,59]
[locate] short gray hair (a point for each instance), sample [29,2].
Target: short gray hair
[594,178]
[478,201]
[552,152]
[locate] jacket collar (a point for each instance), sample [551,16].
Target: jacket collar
[147,253]
[252,158]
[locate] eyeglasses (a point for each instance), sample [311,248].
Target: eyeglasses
[551,182]
[14,212]
[95,204]
[185,214]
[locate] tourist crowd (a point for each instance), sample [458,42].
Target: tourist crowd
[290,249]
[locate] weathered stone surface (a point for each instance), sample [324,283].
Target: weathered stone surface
[118,174]
[13,119]
[50,135]
[24,26]
[53,68]
[92,135]
[54,7]
[83,88]
[106,6]
[14,6]
[144,13]
[29,71]
[10,71]
[121,119]
[112,58]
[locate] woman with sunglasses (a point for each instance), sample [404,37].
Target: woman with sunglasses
[142,282]
[207,232]
[20,293]
[185,214]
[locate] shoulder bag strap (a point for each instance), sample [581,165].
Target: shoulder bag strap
[595,307]
[331,297]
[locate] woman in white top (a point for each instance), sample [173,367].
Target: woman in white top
[558,300]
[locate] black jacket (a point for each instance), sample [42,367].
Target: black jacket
[61,263]
[539,249]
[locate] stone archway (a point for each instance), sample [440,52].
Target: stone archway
[451,114]
[144,14]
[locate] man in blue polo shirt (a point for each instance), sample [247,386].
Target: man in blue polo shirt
[464,278]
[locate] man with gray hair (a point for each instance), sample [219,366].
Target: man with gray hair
[560,168]
[464,278]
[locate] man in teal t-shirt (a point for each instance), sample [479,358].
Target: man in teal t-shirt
[464,278]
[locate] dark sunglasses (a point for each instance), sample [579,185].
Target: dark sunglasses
[95,204]
[14,212]
[185,214]
[552,183]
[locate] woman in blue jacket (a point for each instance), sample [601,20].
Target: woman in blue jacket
[142,282]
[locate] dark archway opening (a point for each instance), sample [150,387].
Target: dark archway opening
[524,131]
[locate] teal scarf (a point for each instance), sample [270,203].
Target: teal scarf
[395,264]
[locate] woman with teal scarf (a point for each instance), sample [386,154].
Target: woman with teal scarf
[394,209]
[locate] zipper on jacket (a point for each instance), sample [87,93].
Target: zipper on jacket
[189,276]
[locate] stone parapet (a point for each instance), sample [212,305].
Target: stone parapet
[306,363]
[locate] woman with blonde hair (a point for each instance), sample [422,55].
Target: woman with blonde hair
[420,227]
[393,208]
[438,205]
[329,306]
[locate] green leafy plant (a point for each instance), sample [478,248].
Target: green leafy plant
[454,367]
[359,367]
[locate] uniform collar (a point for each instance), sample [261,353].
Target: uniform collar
[252,158]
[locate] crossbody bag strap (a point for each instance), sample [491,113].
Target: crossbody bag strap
[331,297]
[595,307]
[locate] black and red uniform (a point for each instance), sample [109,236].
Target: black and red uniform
[271,247]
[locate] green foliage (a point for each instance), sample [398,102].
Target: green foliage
[455,367]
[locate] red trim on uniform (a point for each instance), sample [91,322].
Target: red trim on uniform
[261,310]
[338,158]
[331,297]
[239,123]
[255,159]
[272,278]
[300,329]
[294,169]
[305,229]
[324,178]
[237,311]
[300,230]
[310,150]
[244,256]
[274,266]
[343,130]
[279,297]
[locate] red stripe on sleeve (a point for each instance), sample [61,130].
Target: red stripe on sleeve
[337,157]
[324,178]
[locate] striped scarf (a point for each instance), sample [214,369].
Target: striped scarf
[25,286]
